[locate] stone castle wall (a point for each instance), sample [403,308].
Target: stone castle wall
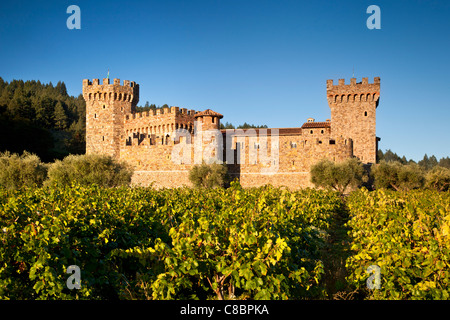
[353,114]
[148,140]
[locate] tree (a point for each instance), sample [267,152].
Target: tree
[227,125]
[445,162]
[89,169]
[391,156]
[337,176]
[438,178]
[208,175]
[60,117]
[428,163]
[397,176]
[24,170]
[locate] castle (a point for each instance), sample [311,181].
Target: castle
[162,145]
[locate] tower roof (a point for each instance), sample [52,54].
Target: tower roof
[208,112]
[316,125]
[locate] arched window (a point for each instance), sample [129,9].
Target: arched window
[365,113]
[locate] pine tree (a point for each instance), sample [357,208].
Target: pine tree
[60,117]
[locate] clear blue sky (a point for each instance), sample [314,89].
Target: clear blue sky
[261,62]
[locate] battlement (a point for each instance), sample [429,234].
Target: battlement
[353,92]
[106,81]
[353,83]
[158,112]
[128,91]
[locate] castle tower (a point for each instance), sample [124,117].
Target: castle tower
[106,106]
[210,119]
[353,114]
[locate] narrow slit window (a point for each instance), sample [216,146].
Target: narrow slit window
[365,113]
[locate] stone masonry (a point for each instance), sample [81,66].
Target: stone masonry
[163,145]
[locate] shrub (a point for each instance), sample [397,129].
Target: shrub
[438,178]
[89,169]
[21,170]
[394,175]
[208,175]
[337,176]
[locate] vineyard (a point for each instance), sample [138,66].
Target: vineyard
[234,243]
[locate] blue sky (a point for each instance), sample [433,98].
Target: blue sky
[261,62]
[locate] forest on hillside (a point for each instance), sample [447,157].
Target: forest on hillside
[41,119]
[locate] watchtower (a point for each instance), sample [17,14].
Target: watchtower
[106,106]
[209,119]
[353,114]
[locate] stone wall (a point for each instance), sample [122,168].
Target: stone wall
[147,140]
[353,114]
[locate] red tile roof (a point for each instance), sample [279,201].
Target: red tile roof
[316,125]
[208,112]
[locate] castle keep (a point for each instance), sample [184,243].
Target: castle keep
[162,145]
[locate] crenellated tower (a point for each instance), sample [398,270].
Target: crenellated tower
[353,114]
[209,119]
[106,107]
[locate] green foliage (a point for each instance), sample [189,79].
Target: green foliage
[89,169]
[148,107]
[31,111]
[208,175]
[395,175]
[140,243]
[337,176]
[45,230]
[438,178]
[246,125]
[428,163]
[407,235]
[17,171]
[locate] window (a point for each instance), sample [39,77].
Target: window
[213,120]
[365,113]
[95,115]
[104,106]
[103,138]
[332,142]
[321,131]
[311,132]
[293,145]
